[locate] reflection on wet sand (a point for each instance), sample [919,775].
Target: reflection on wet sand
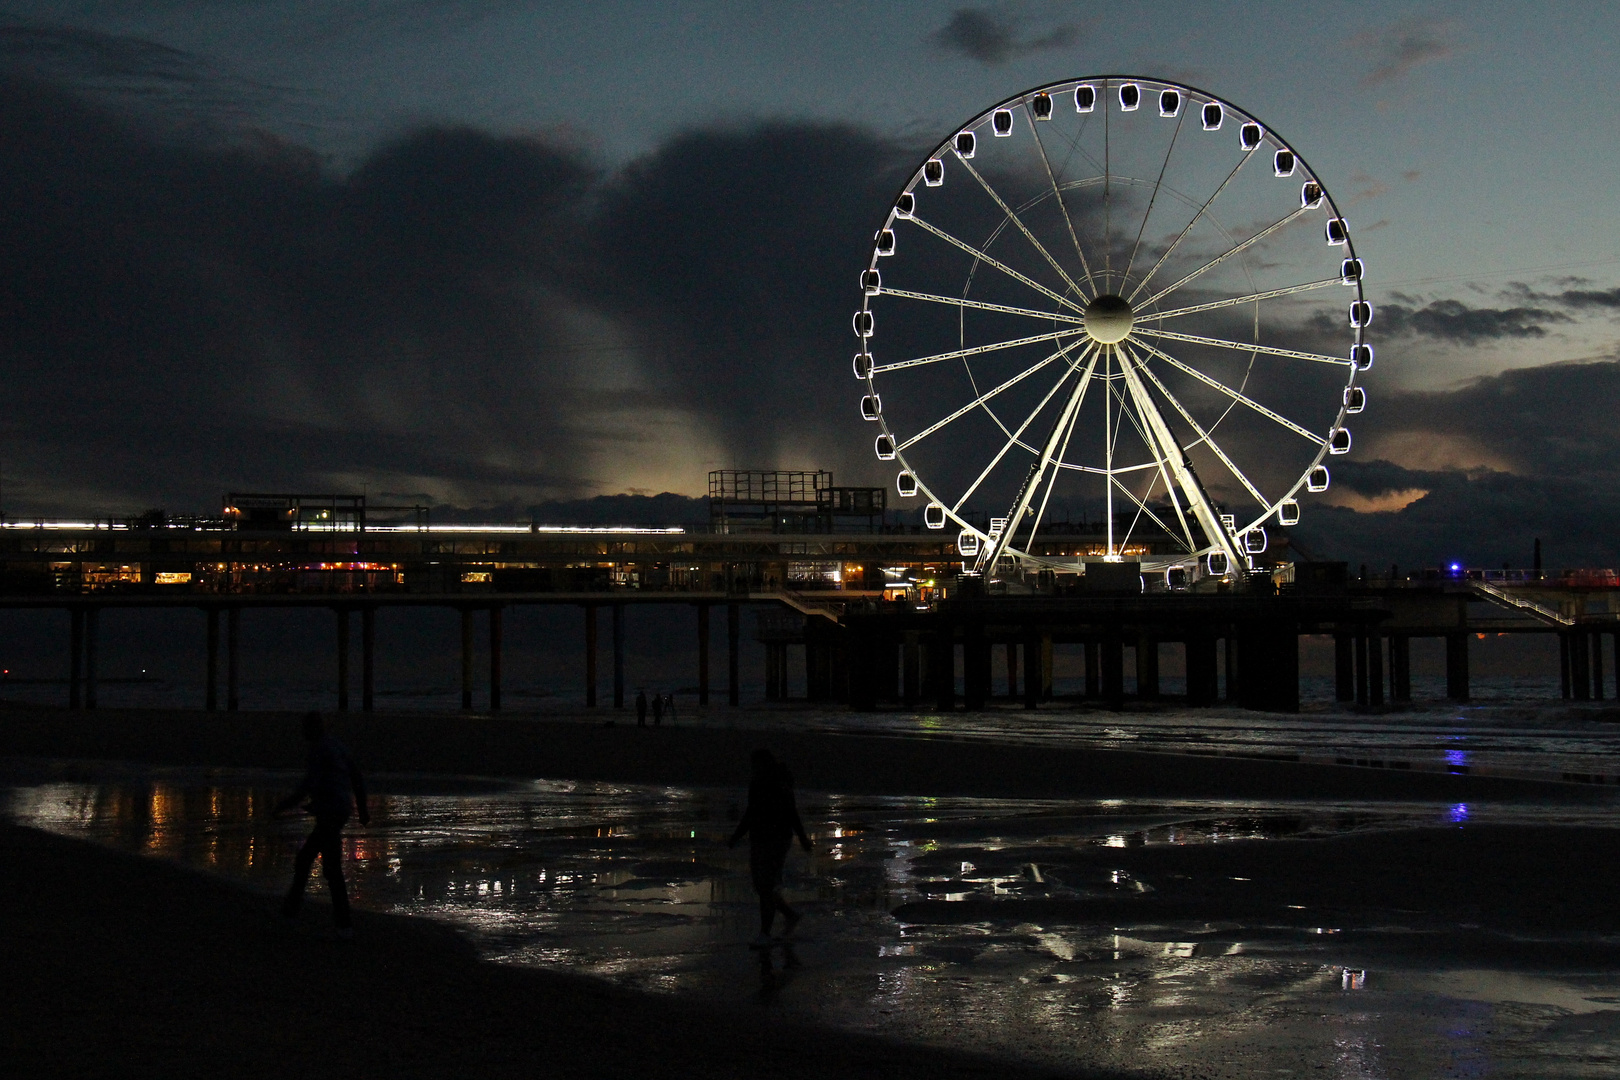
[635,884]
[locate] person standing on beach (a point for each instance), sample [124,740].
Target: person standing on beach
[669,707]
[641,708]
[770,823]
[334,789]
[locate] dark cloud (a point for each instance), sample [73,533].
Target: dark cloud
[182,316]
[1457,323]
[1397,49]
[736,255]
[165,82]
[995,35]
[1556,477]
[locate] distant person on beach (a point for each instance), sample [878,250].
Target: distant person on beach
[669,707]
[658,709]
[641,708]
[770,823]
[333,788]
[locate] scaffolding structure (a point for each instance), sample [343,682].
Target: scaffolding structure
[791,501]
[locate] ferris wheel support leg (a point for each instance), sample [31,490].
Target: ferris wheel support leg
[1174,457]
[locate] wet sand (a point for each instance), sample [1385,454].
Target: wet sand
[587,748]
[117,965]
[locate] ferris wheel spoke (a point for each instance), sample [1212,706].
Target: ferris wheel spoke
[1175,458]
[1183,234]
[1032,480]
[1198,429]
[1159,473]
[1153,198]
[977,350]
[1057,193]
[980,400]
[1240,346]
[1156,445]
[1035,525]
[1223,256]
[1234,301]
[1108,234]
[1143,508]
[1012,216]
[1240,397]
[980,305]
[1080,390]
[988,261]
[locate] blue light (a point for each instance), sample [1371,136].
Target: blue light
[1459,813]
[1455,567]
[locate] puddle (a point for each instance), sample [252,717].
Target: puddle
[635,884]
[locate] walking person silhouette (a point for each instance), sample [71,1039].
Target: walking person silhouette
[770,823]
[334,789]
[641,708]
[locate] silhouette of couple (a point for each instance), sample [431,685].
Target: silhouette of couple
[332,789]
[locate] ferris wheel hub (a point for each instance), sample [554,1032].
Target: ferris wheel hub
[1109,319]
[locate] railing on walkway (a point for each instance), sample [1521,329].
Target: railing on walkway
[1500,595]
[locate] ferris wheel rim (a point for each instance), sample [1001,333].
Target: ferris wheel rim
[1150,339]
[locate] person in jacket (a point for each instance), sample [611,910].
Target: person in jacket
[331,790]
[770,823]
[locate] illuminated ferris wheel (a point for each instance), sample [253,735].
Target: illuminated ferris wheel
[1117,296]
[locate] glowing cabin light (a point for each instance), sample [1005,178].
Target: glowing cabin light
[1339,442]
[965,144]
[905,206]
[1318,479]
[934,516]
[1040,106]
[1337,231]
[863,366]
[906,484]
[1250,136]
[1355,399]
[1361,357]
[1350,271]
[1310,195]
[1130,97]
[933,172]
[1213,116]
[1254,540]
[885,242]
[884,447]
[1169,102]
[1361,313]
[1217,564]
[864,324]
[1001,123]
[871,282]
[967,543]
[1288,512]
[1085,98]
[871,407]
[1282,163]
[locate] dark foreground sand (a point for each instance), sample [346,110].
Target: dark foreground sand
[117,966]
[718,756]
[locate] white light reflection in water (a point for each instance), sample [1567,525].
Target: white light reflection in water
[636,885]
